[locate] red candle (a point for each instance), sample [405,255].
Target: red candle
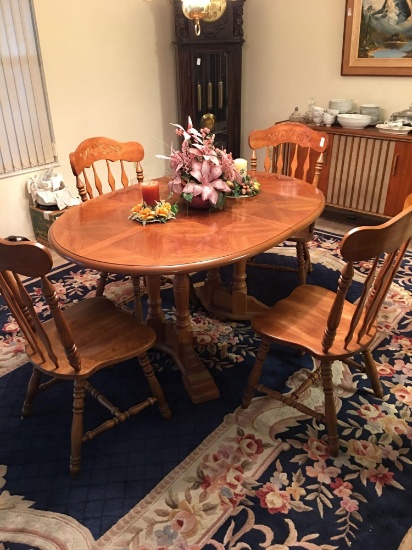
[150,192]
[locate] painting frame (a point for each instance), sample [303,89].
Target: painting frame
[355,65]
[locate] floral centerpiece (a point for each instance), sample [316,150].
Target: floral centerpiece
[200,168]
[161,212]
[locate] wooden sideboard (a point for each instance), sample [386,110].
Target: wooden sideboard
[366,171]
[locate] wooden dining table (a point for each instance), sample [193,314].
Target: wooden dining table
[97,234]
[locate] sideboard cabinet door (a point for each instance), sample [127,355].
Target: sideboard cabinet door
[400,184]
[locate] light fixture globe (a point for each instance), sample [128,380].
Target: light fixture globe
[195,9]
[209,10]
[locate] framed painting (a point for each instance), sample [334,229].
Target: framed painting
[377,38]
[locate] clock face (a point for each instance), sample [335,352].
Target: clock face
[216,10]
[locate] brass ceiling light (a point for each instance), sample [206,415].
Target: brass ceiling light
[209,10]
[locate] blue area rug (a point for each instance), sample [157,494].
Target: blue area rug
[215,476]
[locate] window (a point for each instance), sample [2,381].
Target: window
[26,136]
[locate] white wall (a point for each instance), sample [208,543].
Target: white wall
[110,71]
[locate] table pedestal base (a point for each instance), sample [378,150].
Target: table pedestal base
[234,303]
[177,338]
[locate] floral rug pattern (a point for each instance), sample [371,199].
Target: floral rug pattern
[264,478]
[375,448]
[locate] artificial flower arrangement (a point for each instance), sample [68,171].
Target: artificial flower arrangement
[162,212]
[200,168]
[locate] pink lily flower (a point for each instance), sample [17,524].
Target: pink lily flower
[208,176]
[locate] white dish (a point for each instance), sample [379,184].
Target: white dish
[354,116]
[353,126]
[400,131]
[354,120]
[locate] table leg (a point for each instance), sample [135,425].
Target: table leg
[228,303]
[155,315]
[177,338]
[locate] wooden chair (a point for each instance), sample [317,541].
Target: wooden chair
[293,150]
[408,202]
[86,158]
[95,149]
[86,337]
[327,326]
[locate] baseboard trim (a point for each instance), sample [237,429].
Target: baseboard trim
[344,215]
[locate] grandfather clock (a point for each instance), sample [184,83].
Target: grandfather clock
[209,71]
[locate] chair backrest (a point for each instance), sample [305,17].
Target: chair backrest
[382,246]
[30,259]
[92,150]
[292,149]
[408,201]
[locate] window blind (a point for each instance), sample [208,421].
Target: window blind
[26,137]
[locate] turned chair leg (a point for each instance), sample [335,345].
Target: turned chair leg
[79,392]
[137,296]
[372,373]
[300,253]
[330,408]
[32,390]
[308,261]
[154,385]
[101,283]
[255,375]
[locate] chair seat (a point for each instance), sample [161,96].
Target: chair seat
[300,319]
[128,340]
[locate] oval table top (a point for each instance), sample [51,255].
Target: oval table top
[98,234]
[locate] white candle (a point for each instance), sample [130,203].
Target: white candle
[241,166]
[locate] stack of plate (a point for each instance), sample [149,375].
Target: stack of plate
[370,109]
[343,105]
